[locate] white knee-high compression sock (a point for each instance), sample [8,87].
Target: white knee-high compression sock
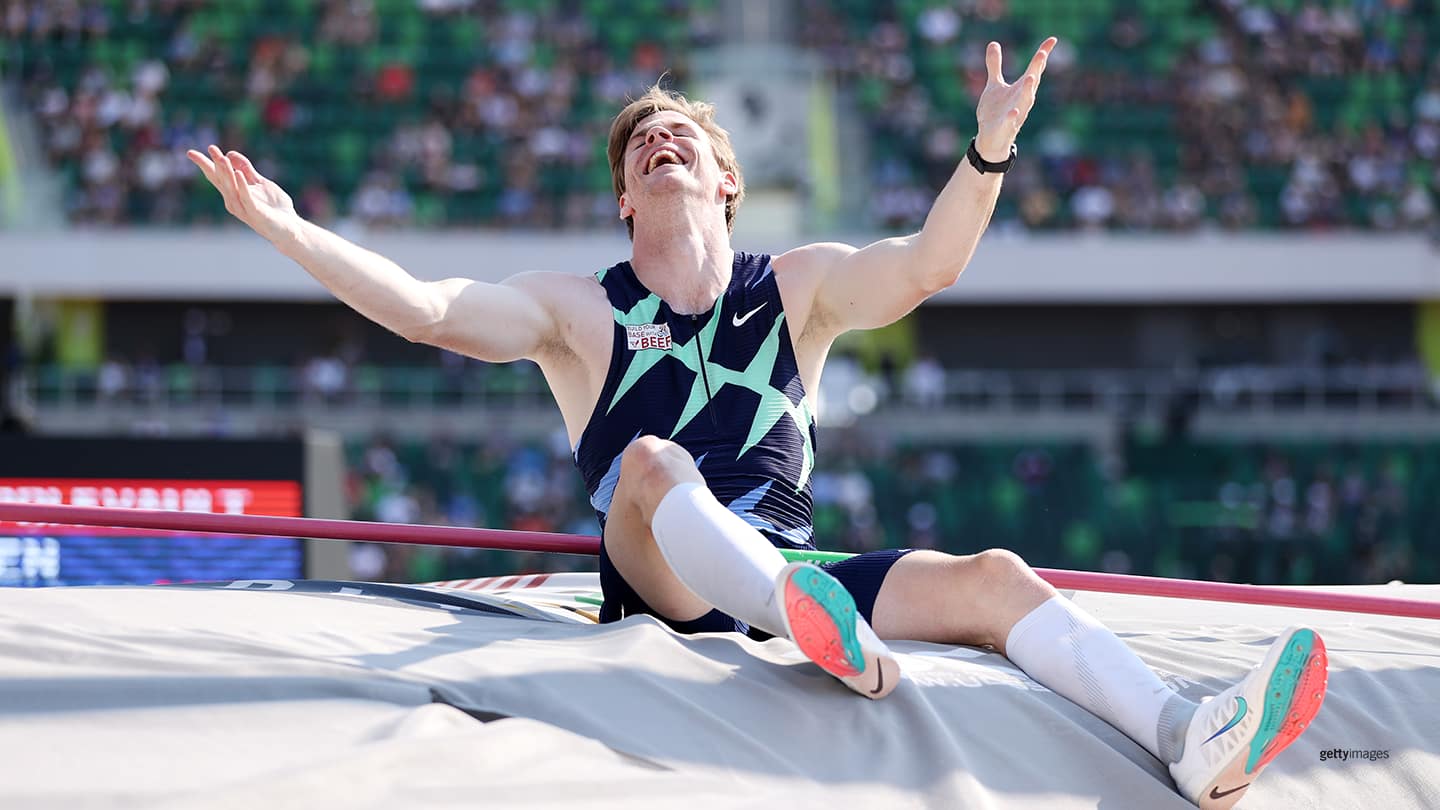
[720,558]
[1068,651]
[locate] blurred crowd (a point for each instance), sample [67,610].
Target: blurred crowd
[1263,96]
[1233,113]
[447,111]
[1295,514]
[1279,524]
[849,390]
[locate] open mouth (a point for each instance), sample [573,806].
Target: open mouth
[664,157]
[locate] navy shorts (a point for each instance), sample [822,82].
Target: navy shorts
[861,575]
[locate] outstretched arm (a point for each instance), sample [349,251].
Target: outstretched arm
[494,322]
[882,282]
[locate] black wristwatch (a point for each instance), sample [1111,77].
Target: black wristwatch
[985,167]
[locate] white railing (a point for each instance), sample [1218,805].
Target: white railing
[1367,388]
[1350,389]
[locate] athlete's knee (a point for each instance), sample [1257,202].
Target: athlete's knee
[1002,567]
[1004,588]
[652,464]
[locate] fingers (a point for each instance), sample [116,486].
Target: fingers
[223,169]
[206,167]
[224,175]
[246,169]
[231,175]
[242,194]
[200,160]
[226,179]
[1041,57]
[992,63]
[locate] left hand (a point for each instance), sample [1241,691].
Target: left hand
[1003,108]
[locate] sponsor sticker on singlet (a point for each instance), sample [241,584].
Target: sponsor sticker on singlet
[648,336]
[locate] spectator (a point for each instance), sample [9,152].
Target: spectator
[523,108]
[1228,114]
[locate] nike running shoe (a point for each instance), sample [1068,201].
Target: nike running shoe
[1234,735]
[820,617]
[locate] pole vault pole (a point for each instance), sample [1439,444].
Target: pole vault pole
[414,534]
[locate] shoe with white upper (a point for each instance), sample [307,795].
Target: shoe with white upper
[1234,735]
[820,617]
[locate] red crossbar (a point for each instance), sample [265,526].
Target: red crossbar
[507,540]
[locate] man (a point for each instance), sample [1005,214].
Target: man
[685,378]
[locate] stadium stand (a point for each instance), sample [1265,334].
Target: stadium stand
[1288,513]
[1157,364]
[1150,499]
[455,112]
[1163,114]
[1168,114]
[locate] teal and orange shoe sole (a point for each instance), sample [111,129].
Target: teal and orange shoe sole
[1292,697]
[821,616]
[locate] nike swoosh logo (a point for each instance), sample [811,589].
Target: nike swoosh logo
[1239,715]
[739,321]
[1216,794]
[880,670]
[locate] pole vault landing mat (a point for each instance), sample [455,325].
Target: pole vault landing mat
[277,694]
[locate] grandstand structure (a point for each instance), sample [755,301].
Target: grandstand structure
[1177,114]
[1198,340]
[396,112]
[1173,114]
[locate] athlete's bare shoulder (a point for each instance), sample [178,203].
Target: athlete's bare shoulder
[564,295]
[579,308]
[799,272]
[814,257]
[549,285]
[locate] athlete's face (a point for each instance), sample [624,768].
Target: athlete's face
[669,155]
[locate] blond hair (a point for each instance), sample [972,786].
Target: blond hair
[655,100]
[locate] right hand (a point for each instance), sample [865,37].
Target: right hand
[251,197]
[1002,107]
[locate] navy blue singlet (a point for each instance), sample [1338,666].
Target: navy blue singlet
[724,385]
